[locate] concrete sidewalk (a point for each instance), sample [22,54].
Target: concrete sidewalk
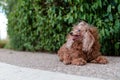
[10,72]
[50,62]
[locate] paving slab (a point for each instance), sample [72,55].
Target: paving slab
[10,72]
[50,62]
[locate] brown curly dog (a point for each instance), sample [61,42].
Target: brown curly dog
[82,46]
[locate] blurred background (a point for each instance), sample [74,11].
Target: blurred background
[42,25]
[3,24]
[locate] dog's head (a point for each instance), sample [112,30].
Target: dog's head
[81,32]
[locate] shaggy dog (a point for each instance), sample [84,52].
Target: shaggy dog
[82,46]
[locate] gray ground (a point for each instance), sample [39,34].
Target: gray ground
[50,62]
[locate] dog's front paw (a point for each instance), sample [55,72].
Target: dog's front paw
[66,62]
[100,60]
[79,61]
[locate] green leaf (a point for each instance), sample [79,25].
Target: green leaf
[107,32]
[119,8]
[109,8]
[70,19]
[81,8]
[117,45]
[116,1]
[75,15]
[103,32]
[110,17]
[117,23]
[100,3]
[75,8]
[111,30]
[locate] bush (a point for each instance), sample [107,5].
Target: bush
[3,43]
[43,24]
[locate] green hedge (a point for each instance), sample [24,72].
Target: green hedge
[43,24]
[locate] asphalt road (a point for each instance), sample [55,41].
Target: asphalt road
[50,62]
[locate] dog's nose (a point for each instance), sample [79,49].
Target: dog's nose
[71,33]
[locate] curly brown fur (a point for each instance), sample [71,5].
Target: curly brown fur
[82,46]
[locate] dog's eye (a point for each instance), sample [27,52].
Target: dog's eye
[78,30]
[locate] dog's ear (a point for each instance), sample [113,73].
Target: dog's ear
[94,31]
[69,41]
[88,40]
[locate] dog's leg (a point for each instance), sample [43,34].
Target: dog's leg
[100,60]
[79,61]
[66,59]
